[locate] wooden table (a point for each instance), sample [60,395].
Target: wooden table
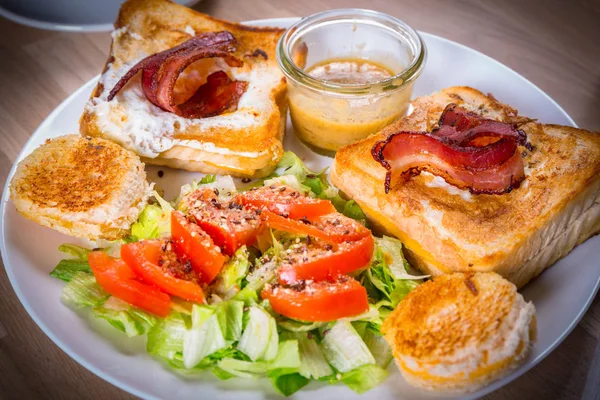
[555,44]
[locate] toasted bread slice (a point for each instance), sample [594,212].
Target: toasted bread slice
[243,143]
[84,187]
[460,331]
[517,234]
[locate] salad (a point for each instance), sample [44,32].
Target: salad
[281,280]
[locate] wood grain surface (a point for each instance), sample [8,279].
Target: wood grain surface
[553,43]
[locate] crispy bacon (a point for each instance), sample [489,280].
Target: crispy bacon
[462,127]
[468,151]
[160,72]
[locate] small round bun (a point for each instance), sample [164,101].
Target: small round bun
[460,331]
[84,187]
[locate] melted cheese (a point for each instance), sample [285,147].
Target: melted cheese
[138,125]
[409,243]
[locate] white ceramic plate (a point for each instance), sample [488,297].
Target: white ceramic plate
[67,15]
[561,294]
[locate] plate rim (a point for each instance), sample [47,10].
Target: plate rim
[141,393]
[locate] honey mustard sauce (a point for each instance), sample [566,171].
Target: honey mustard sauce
[354,71]
[345,118]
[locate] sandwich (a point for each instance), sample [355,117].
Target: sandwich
[469,185]
[188,91]
[458,332]
[84,187]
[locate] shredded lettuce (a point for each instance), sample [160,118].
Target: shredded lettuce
[287,180]
[229,280]
[146,226]
[387,281]
[283,371]
[312,361]
[128,319]
[67,269]
[83,291]
[344,349]
[364,378]
[204,338]
[207,179]
[78,252]
[230,315]
[246,296]
[165,339]
[243,369]
[261,275]
[259,339]
[298,326]
[154,221]
[378,347]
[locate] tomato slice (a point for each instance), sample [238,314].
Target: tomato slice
[115,277]
[340,228]
[155,263]
[226,222]
[319,301]
[297,227]
[191,241]
[285,201]
[320,261]
[334,227]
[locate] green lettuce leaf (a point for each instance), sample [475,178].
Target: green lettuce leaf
[67,269]
[78,252]
[364,378]
[289,384]
[283,371]
[165,339]
[83,291]
[229,281]
[230,314]
[259,339]
[146,226]
[154,221]
[204,338]
[128,319]
[344,349]
[387,281]
[208,179]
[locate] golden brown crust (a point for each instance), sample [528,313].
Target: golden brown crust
[460,331]
[420,327]
[84,187]
[463,232]
[156,25]
[57,178]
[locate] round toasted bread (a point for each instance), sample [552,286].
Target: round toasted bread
[81,186]
[460,331]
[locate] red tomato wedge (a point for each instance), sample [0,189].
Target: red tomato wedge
[322,261]
[191,241]
[297,227]
[340,228]
[334,227]
[114,276]
[285,201]
[319,301]
[145,259]
[226,222]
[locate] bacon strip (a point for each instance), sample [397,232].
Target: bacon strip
[160,72]
[493,169]
[462,127]
[468,151]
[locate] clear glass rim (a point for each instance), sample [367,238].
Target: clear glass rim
[358,15]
